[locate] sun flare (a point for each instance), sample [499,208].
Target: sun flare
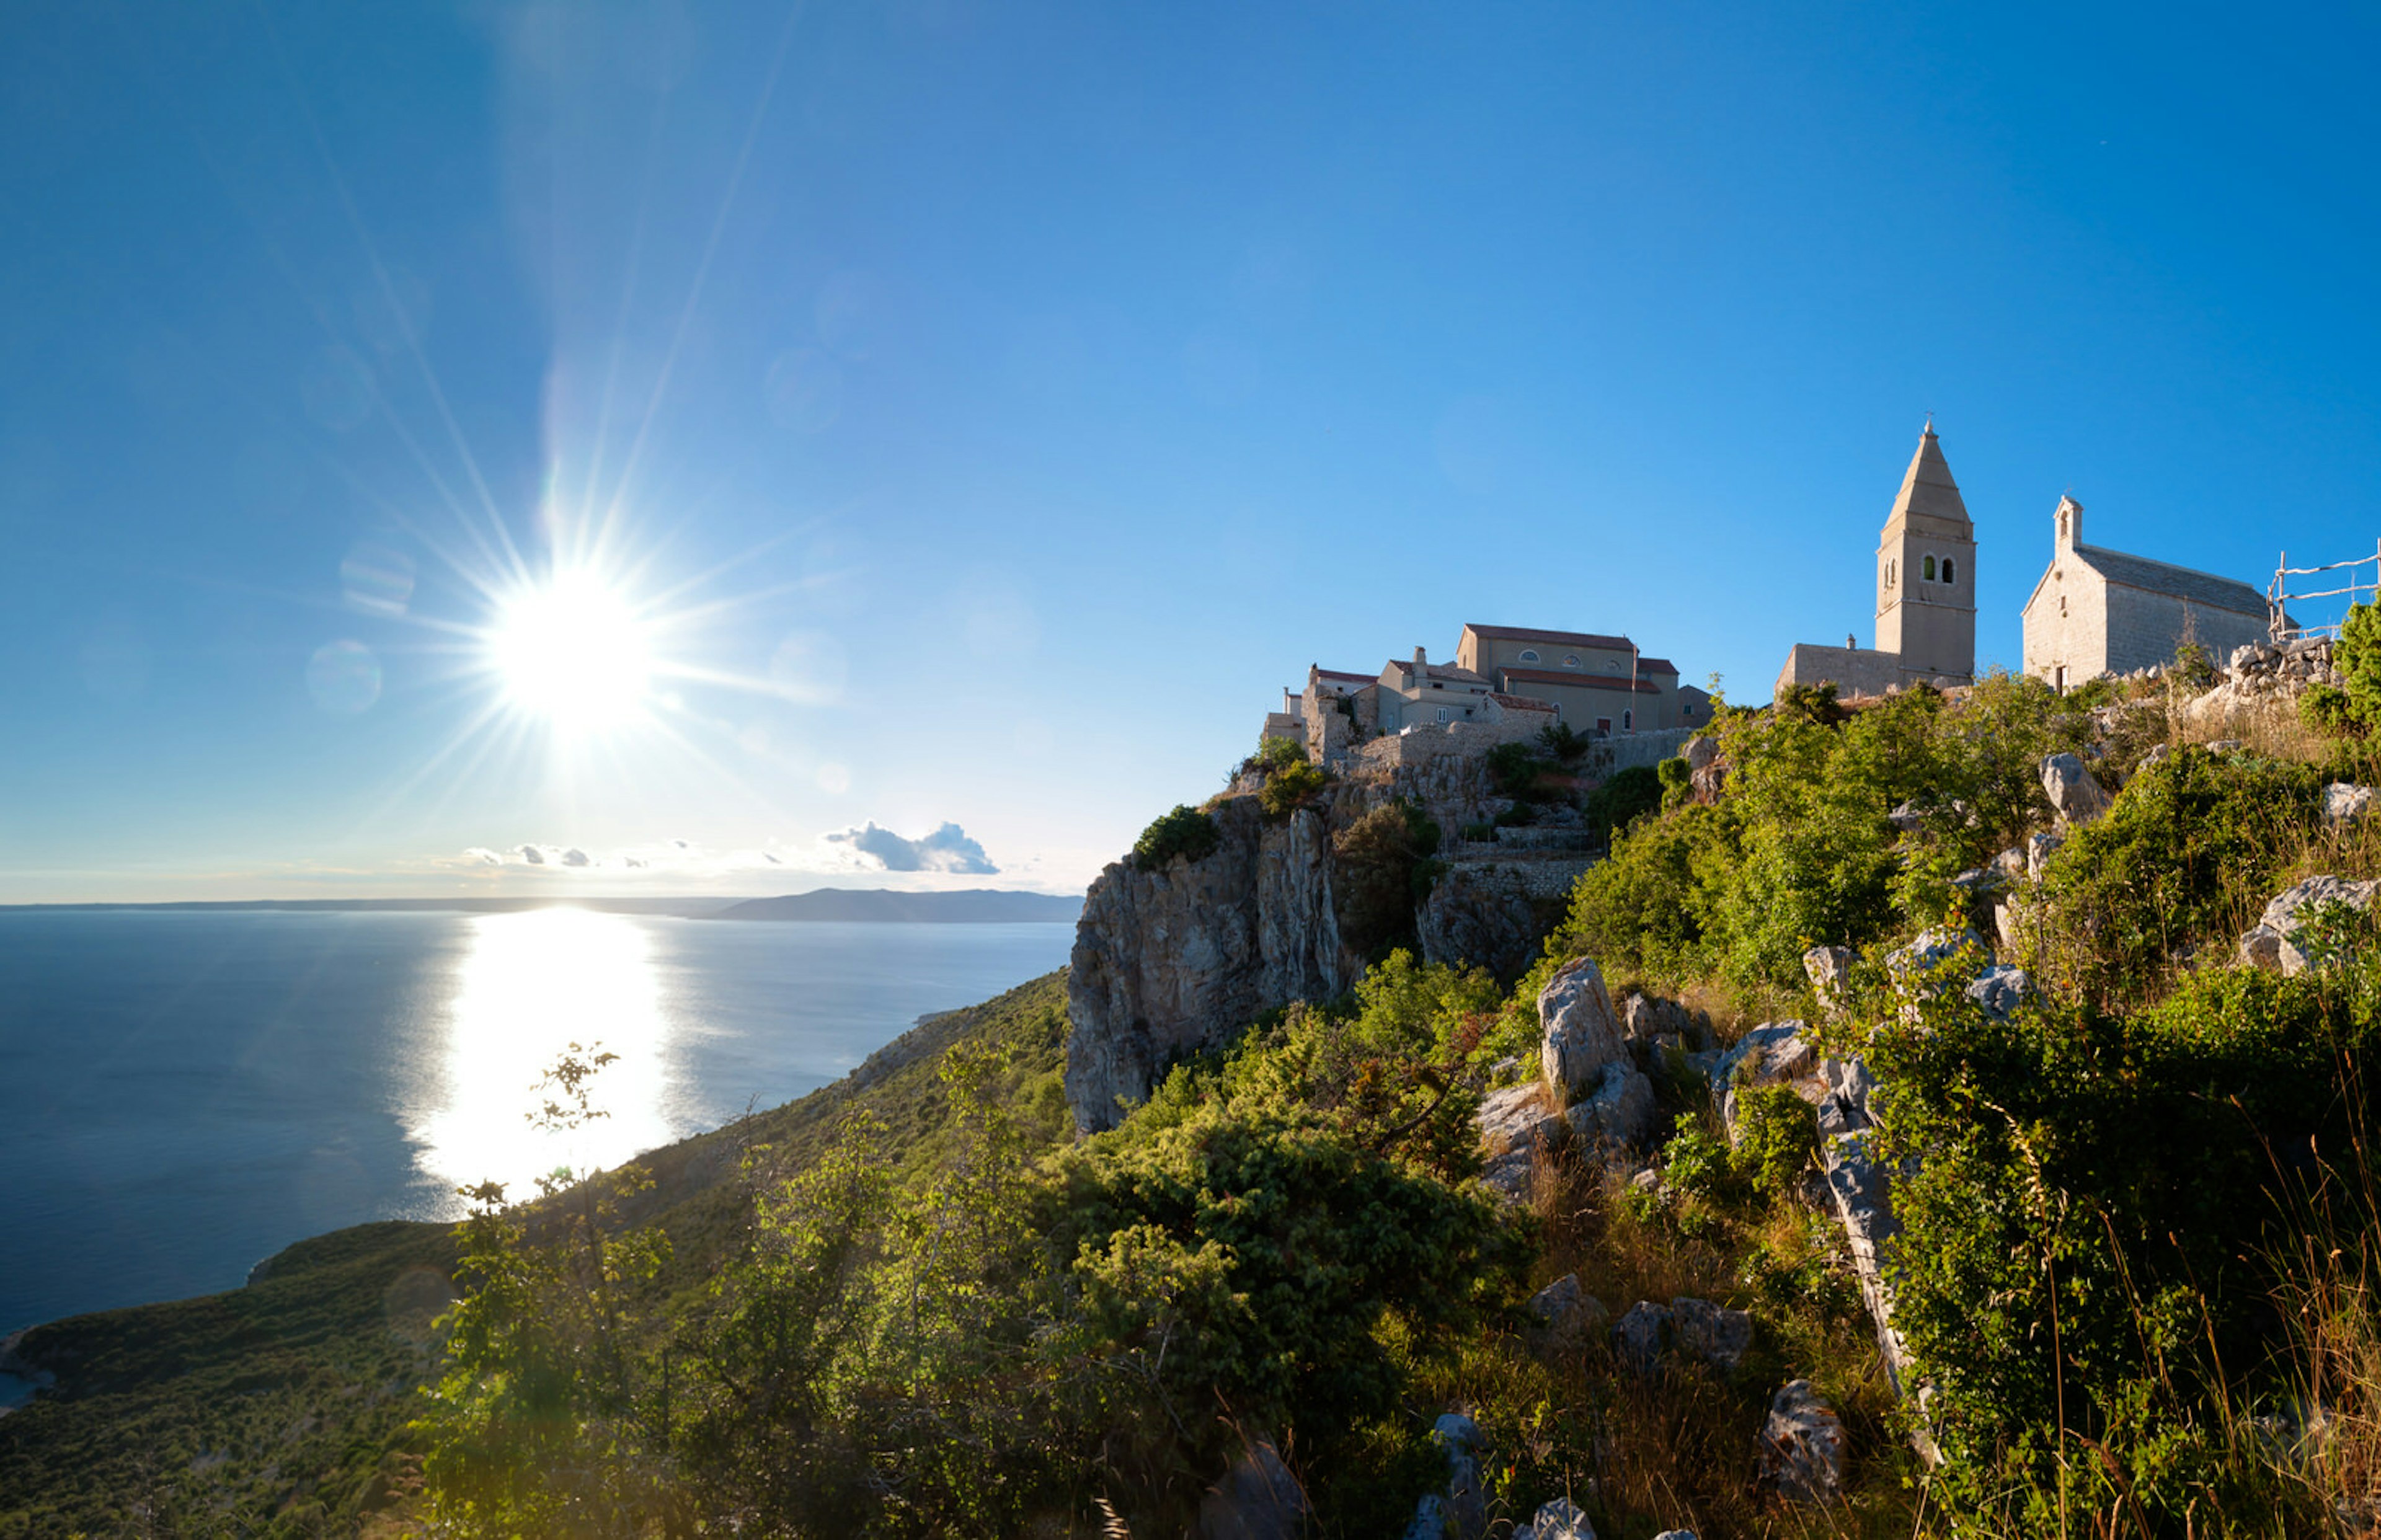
[573,651]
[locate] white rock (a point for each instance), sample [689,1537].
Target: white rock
[1829,970]
[2071,789]
[1803,1446]
[1718,1336]
[1640,1335]
[2344,803]
[1515,1119]
[1567,1317]
[1582,1031]
[2001,989]
[2039,849]
[1620,1113]
[2272,944]
[1773,1053]
[1558,1520]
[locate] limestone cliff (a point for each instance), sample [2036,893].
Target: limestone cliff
[1172,961]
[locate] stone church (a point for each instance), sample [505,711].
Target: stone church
[1925,593]
[2098,611]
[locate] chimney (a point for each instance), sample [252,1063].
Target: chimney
[1421,661]
[2069,519]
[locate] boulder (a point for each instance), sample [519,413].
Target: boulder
[1516,1118]
[1567,1317]
[2077,797]
[1803,1446]
[1559,1520]
[2344,803]
[1676,1534]
[1257,1500]
[2039,849]
[1467,1507]
[1649,1019]
[1706,772]
[1771,1053]
[1907,818]
[2000,990]
[1640,1336]
[2012,864]
[1718,1336]
[1582,1033]
[1429,1520]
[2273,944]
[1829,970]
[1864,1207]
[1621,1112]
[1912,968]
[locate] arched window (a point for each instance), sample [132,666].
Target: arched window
[1930,569]
[1529,655]
[1629,721]
[1888,574]
[1947,570]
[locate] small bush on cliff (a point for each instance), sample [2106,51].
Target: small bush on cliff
[1384,867]
[1624,797]
[1185,832]
[1277,754]
[1287,788]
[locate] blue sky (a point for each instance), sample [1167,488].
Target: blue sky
[985,410]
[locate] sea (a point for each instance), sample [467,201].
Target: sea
[183,1094]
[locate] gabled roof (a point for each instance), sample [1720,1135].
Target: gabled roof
[1345,678]
[1520,702]
[1927,489]
[2181,582]
[1562,638]
[1655,665]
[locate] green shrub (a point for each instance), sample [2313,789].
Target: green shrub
[1623,797]
[2187,854]
[1275,754]
[1287,788]
[2358,658]
[1566,743]
[1382,875]
[1185,832]
[1777,1135]
[1677,779]
[2326,708]
[1516,768]
[2193,667]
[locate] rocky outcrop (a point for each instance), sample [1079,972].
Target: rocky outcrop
[2077,797]
[2344,803]
[1803,1446]
[1493,913]
[1558,1520]
[2274,944]
[1171,962]
[1581,1032]
[1567,1317]
[1257,1500]
[1620,1114]
[2259,673]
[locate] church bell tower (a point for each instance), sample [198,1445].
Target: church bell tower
[1927,572]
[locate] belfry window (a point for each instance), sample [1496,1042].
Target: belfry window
[1929,570]
[1947,570]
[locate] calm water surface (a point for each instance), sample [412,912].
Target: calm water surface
[187,1092]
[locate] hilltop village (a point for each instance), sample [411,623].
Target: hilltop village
[2094,612]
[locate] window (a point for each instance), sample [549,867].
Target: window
[2062,607]
[1947,570]
[1570,660]
[1604,724]
[1529,655]
[1612,665]
[1629,721]
[1888,574]
[1930,569]
[1442,713]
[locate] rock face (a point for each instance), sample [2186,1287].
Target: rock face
[2274,944]
[1619,1113]
[1492,914]
[2071,789]
[1582,1033]
[1774,1053]
[2344,803]
[1718,1336]
[2001,989]
[1516,1126]
[1829,970]
[1168,962]
[1803,1446]
[1640,1335]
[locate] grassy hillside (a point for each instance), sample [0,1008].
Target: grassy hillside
[281,1407]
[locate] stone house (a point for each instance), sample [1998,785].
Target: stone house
[1926,593]
[1595,683]
[1420,693]
[2096,611]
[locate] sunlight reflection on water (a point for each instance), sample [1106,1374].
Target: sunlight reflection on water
[530,987]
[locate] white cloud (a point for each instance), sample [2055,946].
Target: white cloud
[949,848]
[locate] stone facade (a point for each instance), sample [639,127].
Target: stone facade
[2096,611]
[1595,683]
[1925,593]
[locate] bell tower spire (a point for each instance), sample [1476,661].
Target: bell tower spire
[1926,570]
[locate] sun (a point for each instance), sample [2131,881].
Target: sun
[573,652]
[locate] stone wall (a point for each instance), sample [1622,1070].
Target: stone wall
[1420,746]
[1853,670]
[1634,749]
[1495,914]
[2144,628]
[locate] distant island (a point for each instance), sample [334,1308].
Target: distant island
[868,905]
[979,906]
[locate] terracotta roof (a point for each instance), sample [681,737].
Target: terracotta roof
[1520,702]
[1655,665]
[1584,681]
[1568,638]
